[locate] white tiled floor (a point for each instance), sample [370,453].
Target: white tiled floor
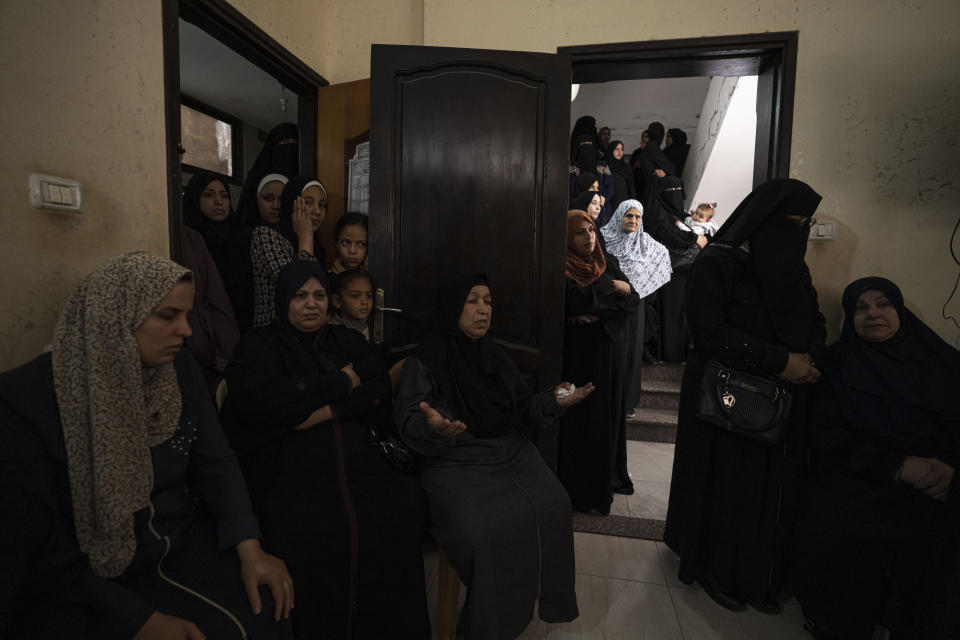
[628,588]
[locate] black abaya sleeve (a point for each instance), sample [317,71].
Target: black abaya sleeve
[273,387]
[714,291]
[417,385]
[372,399]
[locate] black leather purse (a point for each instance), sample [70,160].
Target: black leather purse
[394,450]
[752,406]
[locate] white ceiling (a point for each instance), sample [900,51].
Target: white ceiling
[218,76]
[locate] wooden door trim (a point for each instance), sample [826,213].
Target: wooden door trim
[232,28]
[772,56]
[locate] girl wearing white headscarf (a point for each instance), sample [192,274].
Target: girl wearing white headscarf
[115,433]
[646,263]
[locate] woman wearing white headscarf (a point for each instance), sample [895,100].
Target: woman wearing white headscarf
[646,263]
[115,433]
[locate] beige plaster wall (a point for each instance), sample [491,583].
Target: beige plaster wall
[875,120]
[82,99]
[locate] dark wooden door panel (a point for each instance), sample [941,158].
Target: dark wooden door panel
[469,173]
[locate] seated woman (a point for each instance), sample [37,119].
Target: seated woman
[880,538]
[302,395]
[599,305]
[115,433]
[496,508]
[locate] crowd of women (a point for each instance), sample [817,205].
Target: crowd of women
[132,510]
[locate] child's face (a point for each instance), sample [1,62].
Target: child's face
[703,215]
[352,246]
[355,302]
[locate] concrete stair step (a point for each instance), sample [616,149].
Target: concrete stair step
[663,371]
[659,394]
[653,425]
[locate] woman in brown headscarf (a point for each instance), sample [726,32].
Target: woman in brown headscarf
[115,432]
[592,459]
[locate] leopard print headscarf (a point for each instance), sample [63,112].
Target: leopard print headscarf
[112,408]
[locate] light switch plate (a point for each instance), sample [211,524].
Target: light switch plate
[55,194]
[823,231]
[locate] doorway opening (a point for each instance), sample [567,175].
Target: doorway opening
[207,46]
[749,81]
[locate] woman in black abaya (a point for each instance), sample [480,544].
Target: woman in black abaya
[666,211]
[302,395]
[751,305]
[280,154]
[592,456]
[650,166]
[677,149]
[495,506]
[879,541]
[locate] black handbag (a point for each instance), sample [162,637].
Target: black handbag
[394,450]
[753,406]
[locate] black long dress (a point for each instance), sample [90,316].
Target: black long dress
[750,304]
[495,506]
[592,456]
[348,525]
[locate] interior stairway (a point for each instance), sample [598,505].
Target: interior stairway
[659,400]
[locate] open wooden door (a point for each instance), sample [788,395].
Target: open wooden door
[343,124]
[469,174]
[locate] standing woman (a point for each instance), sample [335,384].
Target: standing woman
[592,457]
[303,395]
[752,306]
[207,209]
[280,154]
[646,263]
[303,207]
[622,174]
[115,434]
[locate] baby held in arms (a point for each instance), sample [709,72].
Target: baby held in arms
[700,220]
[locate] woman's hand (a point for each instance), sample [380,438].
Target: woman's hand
[701,241]
[440,425]
[660,173]
[302,226]
[352,374]
[585,318]
[621,288]
[800,369]
[257,568]
[936,481]
[160,626]
[574,398]
[322,414]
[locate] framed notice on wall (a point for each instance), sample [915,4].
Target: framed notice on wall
[357,188]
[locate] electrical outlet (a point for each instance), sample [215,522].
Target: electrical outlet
[55,194]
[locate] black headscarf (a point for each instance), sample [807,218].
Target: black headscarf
[291,191]
[655,133]
[583,183]
[678,150]
[468,371]
[585,154]
[273,158]
[585,125]
[777,249]
[289,281]
[582,201]
[218,235]
[902,390]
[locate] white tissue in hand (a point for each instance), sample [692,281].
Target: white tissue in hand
[563,393]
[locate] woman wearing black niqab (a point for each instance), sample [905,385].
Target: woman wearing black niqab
[585,125]
[751,305]
[877,538]
[495,507]
[650,159]
[302,395]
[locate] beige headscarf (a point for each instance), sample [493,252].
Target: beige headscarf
[111,407]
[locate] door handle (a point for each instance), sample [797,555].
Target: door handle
[378,310]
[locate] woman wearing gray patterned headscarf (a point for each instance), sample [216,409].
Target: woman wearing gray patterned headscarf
[114,431]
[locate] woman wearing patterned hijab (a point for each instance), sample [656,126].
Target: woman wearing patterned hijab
[108,429]
[646,263]
[592,456]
